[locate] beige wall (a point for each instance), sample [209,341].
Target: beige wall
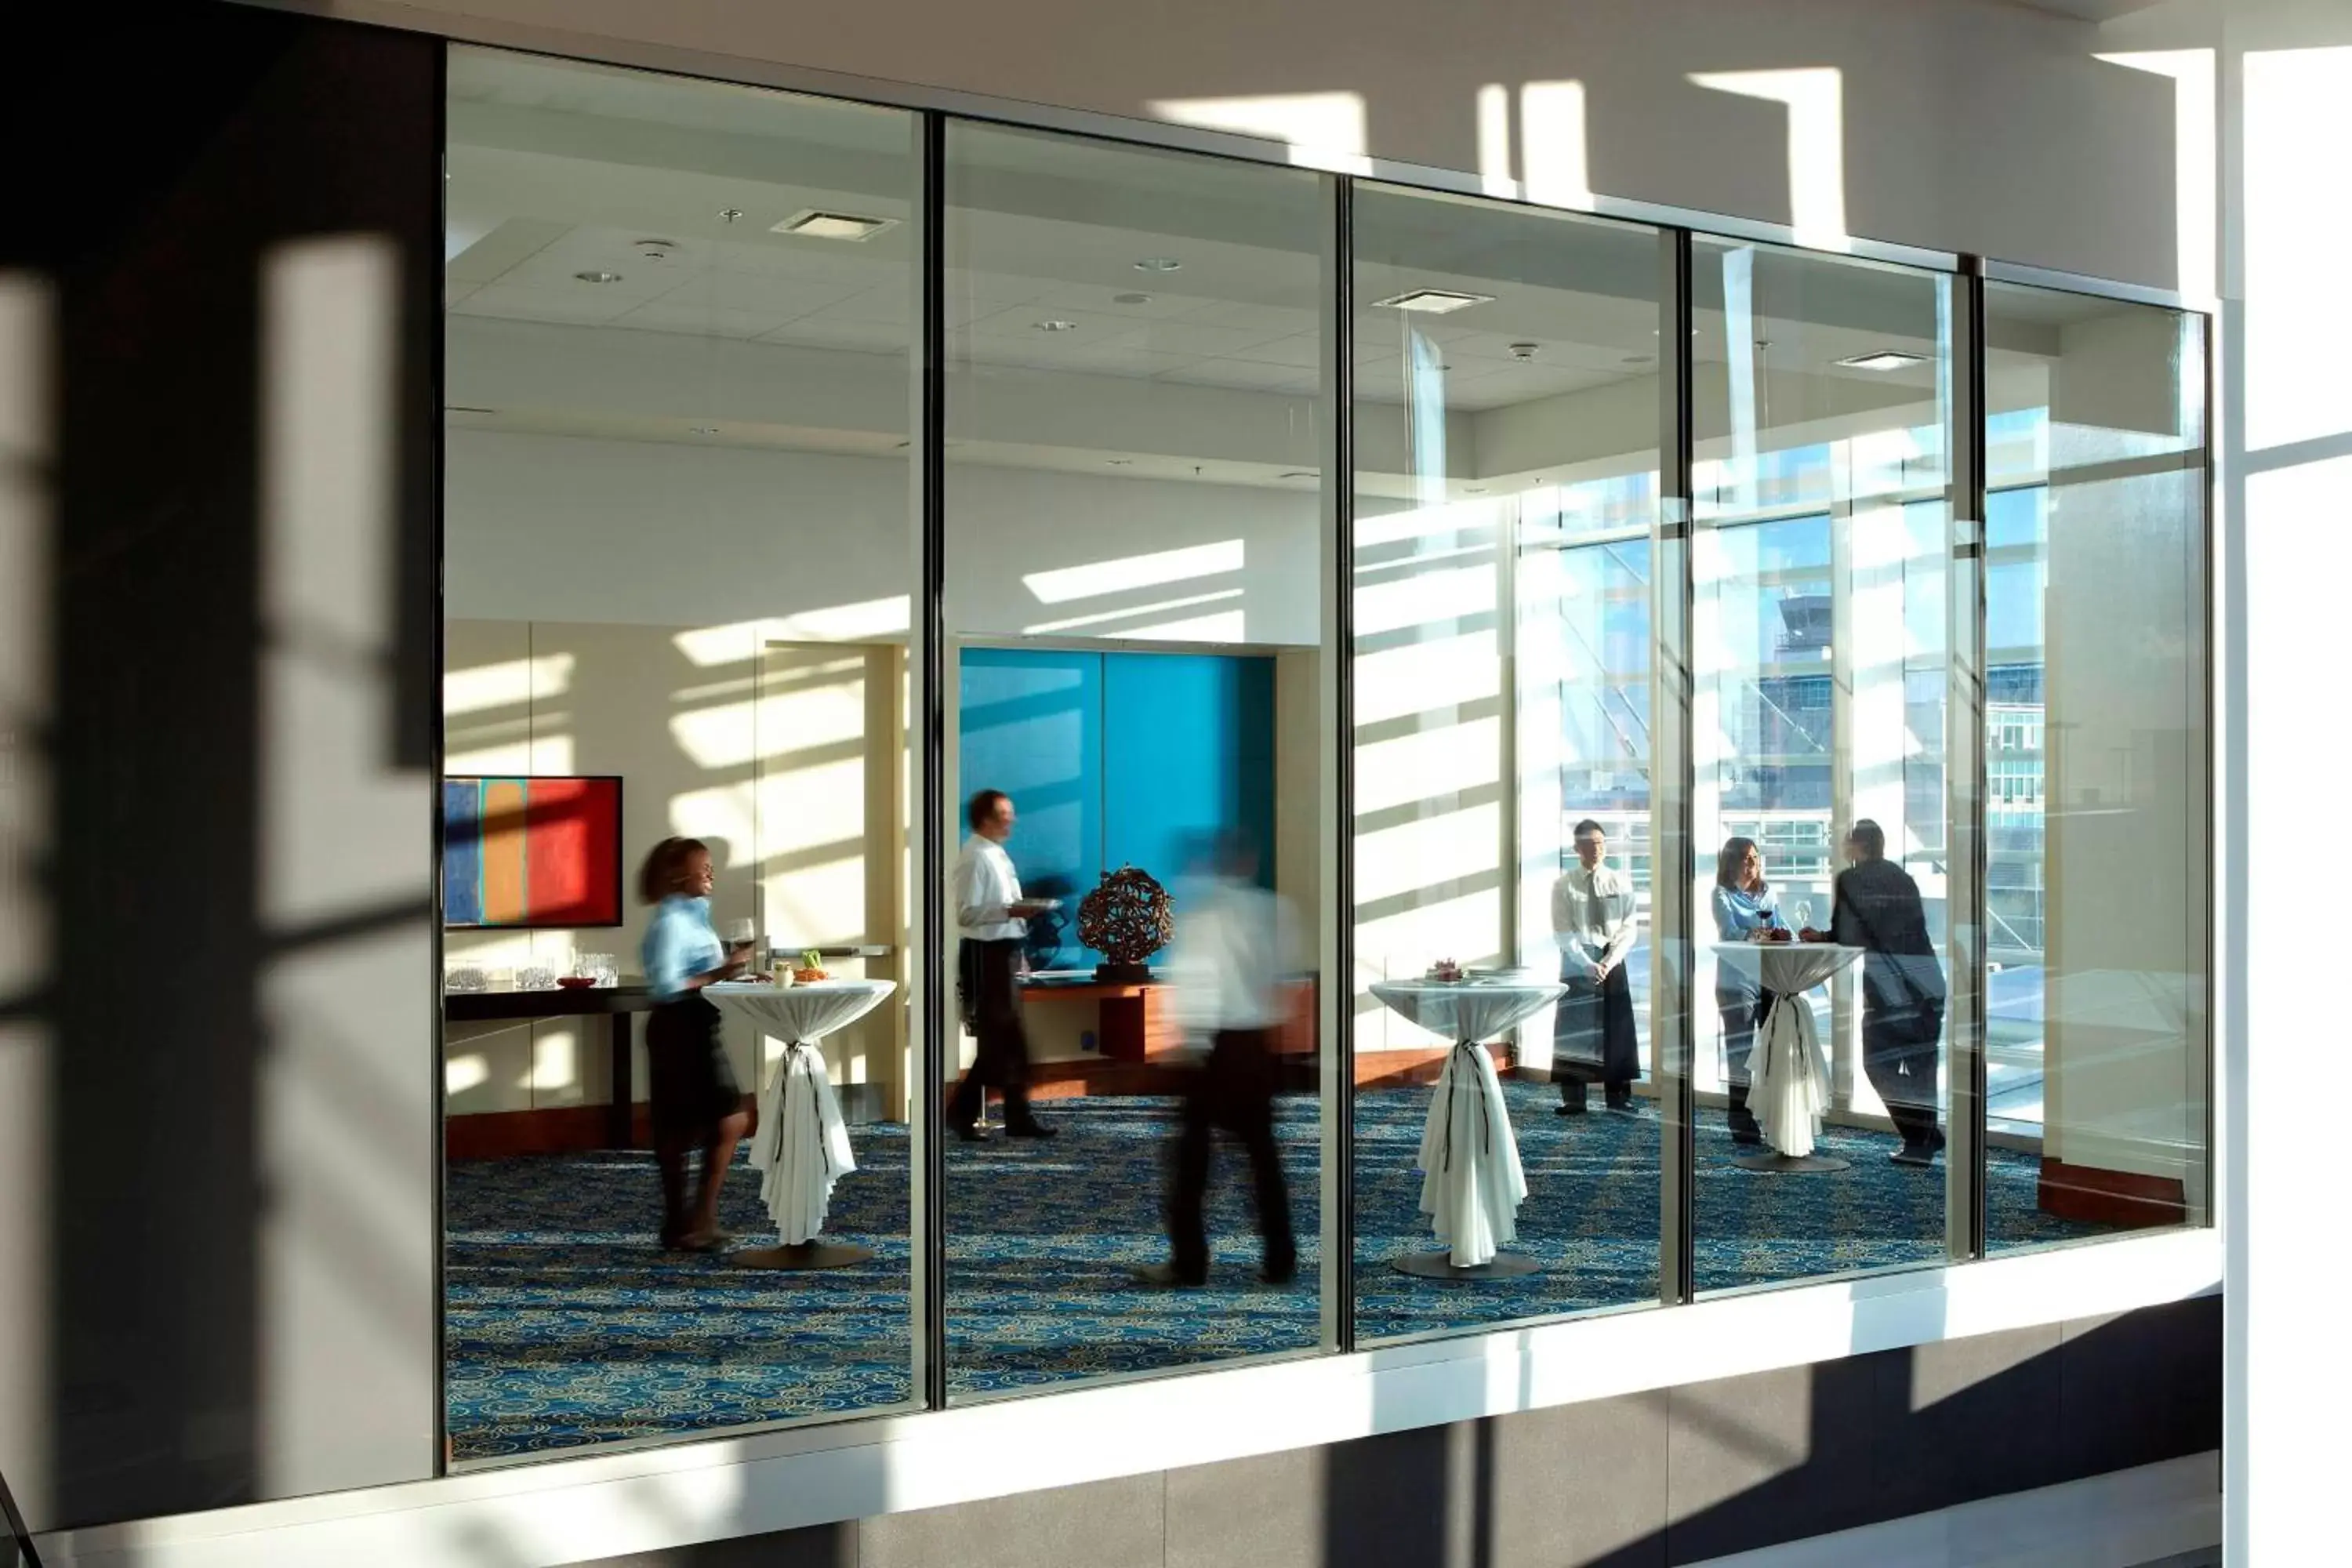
[673,712]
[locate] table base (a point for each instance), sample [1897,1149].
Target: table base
[1440,1265]
[807,1255]
[1792,1164]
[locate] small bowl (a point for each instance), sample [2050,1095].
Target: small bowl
[576,981]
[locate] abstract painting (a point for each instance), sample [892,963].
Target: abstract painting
[531,852]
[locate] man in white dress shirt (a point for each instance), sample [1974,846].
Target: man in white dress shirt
[1236,948]
[991,921]
[1594,920]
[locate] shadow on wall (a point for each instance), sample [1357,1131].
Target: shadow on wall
[1708,1469]
[217,1249]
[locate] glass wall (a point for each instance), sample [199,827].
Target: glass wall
[684,554]
[2097,805]
[680,569]
[1134,572]
[1505,486]
[1822,395]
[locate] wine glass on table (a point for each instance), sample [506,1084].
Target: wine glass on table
[1804,916]
[738,942]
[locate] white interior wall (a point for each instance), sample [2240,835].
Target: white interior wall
[2128,853]
[818,544]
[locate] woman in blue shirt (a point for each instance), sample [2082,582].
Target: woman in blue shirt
[697,1101]
[1744,902]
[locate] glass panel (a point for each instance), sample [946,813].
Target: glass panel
[680,562]
[1507,417]
[2097,805]
[1821,391]
[1134,603]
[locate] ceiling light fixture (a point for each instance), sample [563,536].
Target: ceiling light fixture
[705,429]
[1637,359]
[1431,301]
[1524,352]
[1130,299]
[592,277]
[1159,264]
[1885,359]
[656,250]
[1301,474]
[1120,462]
[730,215]
[1055,326]
[813,223]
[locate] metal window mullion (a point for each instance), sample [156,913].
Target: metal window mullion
[1845,1037]
[926,631]
[1964,770]
[1673,867]
[1334,997]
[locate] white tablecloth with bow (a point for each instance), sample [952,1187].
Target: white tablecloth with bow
[1471,1183]
[1788,1076]
[801,1146]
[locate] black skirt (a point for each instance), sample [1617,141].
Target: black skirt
[688,1078]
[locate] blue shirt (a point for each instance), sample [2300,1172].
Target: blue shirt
[680,944]
[1739,911]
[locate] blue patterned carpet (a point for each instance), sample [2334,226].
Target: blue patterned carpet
[566,1327]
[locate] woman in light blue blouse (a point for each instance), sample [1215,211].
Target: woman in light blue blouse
[1744,902]
[696,1099]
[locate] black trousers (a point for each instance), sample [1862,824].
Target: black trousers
[1234,1090]
[1742,1013]
[1592,1038]
[1899,1054]
[984,975]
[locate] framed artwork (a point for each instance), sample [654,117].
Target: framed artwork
[531,853]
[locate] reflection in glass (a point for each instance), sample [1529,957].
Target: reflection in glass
[2097,804]
[1507,416]
[1134,569]
[679,552]
[1820,394]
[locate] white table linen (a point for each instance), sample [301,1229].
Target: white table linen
[1471,1181]
[801,1146]
[1788,1075]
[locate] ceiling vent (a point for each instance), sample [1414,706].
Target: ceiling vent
[813,223]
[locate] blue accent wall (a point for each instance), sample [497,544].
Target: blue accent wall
[1117,759]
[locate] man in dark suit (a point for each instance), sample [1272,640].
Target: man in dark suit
[1879,909]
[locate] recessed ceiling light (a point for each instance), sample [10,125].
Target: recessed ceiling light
[813,223]
[705,429]
[1121,462]
[1885,359]
[1130,299]
[1524,352]
[1299,474]
[1431,301]
[598,277]
[1637,359]
[1055,326]
[1159,264]
[656,250]
[730,214]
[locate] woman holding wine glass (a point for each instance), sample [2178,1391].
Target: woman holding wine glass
[1744,904]
[696,1099]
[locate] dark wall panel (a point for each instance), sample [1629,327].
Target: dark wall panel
[157,169]
[1680,1476]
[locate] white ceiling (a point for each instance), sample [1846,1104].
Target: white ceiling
[557,170]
